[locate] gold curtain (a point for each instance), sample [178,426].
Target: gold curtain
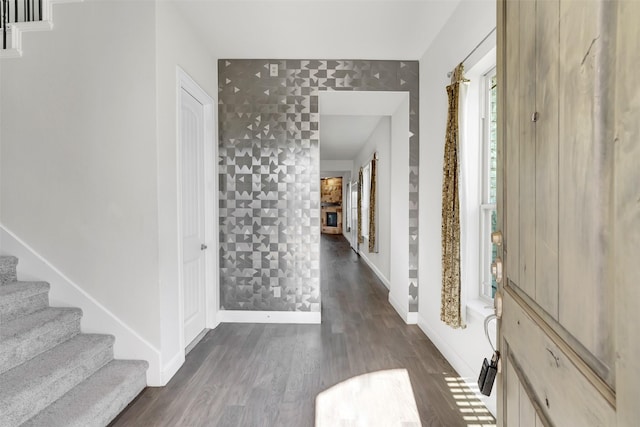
[372,205]
[450,307]
[360,238]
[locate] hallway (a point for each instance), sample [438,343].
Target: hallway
[270,375]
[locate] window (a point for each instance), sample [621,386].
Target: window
[488,215]
[366,190]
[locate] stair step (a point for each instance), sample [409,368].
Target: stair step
[97,400]
[34,385]
[22,298]
[26,337]
[8,269]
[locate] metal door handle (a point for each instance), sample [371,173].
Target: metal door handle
[496,238]
[497,303]
[203,247]
[496,270]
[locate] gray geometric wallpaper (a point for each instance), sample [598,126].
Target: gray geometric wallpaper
[269,167]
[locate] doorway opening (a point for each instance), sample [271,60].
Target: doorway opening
[357,127]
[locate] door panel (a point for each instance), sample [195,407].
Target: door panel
[527,148]
[546,157]
[549,365]
[584,182]
[510,189]
[556,73]
[193,269]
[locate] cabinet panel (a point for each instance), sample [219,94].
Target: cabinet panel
[527,148]
[585,296]
[546,158]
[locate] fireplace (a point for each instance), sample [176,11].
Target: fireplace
[332,219]
[331,205]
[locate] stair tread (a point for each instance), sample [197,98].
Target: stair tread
[17,290]
[98,399]
[32,321]
[8,260]
[51,363]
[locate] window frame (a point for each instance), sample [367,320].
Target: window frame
[366,197]
[487,206]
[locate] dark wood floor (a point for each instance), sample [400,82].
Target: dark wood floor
[269,375]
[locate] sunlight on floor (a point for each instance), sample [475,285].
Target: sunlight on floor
[383,398]
[473,410]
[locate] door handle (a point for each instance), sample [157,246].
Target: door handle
[203,247]
[496,270]
[497,303]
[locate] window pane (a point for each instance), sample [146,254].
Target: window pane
[366,189]
[494,251]
[493,139]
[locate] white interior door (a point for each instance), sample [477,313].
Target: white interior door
[193,226]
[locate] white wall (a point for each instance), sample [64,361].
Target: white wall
[78,148]
[177,45]
[89,176]
[399,206]
[329,166]
[470,23]
[380,142]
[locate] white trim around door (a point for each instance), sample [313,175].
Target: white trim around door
[210,209]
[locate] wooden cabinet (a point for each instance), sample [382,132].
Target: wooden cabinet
[557,68]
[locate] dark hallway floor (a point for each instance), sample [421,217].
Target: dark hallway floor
[270,375]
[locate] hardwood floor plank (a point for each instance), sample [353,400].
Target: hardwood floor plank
[269,375]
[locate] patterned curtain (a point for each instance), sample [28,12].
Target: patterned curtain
[450,307]
[373,247]
[360,238]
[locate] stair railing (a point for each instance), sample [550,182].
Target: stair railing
[12,11]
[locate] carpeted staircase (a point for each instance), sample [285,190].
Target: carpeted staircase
[50,373]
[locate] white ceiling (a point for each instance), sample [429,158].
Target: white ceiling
[317,29]
[323,29]
[342,137]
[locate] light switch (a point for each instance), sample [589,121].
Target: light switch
[273,70]
[276,292]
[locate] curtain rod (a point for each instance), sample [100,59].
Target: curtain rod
[474,49]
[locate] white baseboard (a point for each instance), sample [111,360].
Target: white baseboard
[410,318]
[466,372]
[170,368]
[246,316]
[376,270]
[96,318]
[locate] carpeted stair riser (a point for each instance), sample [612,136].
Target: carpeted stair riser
[8,269]
[22,298]
[27,336]
[50,373]
[98,400]
[31,387]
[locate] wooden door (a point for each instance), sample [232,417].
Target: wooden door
[193,227]
[560,71]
